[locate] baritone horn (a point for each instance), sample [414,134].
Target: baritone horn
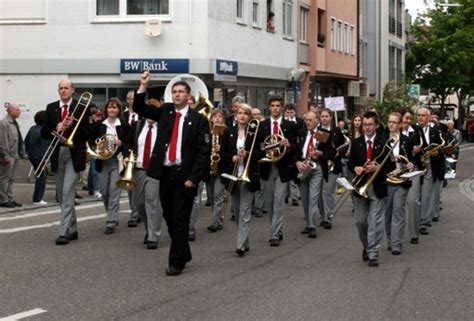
[126,182]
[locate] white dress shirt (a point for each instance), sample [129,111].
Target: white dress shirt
[142,140]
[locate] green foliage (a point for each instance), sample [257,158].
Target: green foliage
[395,97]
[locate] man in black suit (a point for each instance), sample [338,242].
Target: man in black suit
[180,159]
[67,162]
[276,175]
[367,152]
[230,120]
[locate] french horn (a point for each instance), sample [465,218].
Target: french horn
[105,147]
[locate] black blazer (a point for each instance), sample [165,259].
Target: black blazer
[195,147]
[229,149]
[405,149]
[358,157]
[337,139]
[126,115]
[286,165]
[327,148]
[84,131]
[438,166]
[229,121]
[414,137]
[123,132]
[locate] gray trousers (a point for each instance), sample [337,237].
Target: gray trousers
[429,194]
[66,179]
[7,178]
[146,198]
[134,214]
[259,197]
[109,190]
[195,211]
[395,215]
[218,191]
[437,197]
[369,213]
[310,189]
[293,191]
[328,193]
[242,199]
[414,207]
[275,191]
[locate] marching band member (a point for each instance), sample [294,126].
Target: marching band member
[329,185]
[414,194]
[217,188]
[66,162]
[369,212]
[239,144]
[231,120]
[108,169]
[293,192]
[318,152]
[395,215]
[434,175]
[259,198]
[355,131]
[145,194]
[276,175]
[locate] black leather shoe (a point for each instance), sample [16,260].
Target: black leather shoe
[7,204]
[208,203]
[212,228]
[373,262]
[109,230]
[151,245]
[435,219]
[322,224]
[247,249]
[294,203]
[280,236]
[73,236]
[240,252]
[424,231]
[312,233]
[62,240]
[232,218]
[414,240]
[192,237]
[365,256]
[327,225]
[258,213]
[173,271]
[132,223]
[305,230]
[389,248]
[274,242]
[16,204]
[396,252]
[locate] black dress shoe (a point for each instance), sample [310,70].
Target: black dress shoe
[240,252]
[294,203]
[61,240]
[208,203]
[132,223]
[274,242]
[109,230]
[435,219]
[150,245]
[414,240]
[424,231]
[305,230]
[322,224]
[280,236]
[192,237]
[258,213]
[173,271]
[373,262]
[396,252]
[365,256]
[232,218]
[16,204]
[73,236]
[327,225]
[389,248]
[312,233]
[247,249]
[7,204]
[212,228]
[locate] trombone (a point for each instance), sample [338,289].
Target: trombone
[58,138]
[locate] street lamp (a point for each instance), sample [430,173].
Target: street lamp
[295,76]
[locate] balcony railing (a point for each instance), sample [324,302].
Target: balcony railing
[395,27]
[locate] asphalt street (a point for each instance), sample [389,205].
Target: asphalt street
[113,277]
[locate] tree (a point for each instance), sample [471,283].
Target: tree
[395,97]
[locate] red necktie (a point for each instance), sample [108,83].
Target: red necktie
[310,144]
[275,127]
[64,113]
[174,138]
[147,151]
[369,150]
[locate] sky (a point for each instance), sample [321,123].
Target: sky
[417,6]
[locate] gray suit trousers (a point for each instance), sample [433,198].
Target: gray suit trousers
[429,197]
[218,191]
[414,207]
[196,205]
[242,199]
[310,189]
[259,202]
[146,198]
[109,190]
[275,191]
[7,178]
[328,194]
[66,179]
[395,215]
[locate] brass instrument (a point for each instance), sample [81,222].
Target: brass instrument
[427,151]
[203,106]
[451,148]
[319,136]
[58,138]
[273,146]
[106,147]
[394,177]
[217,130]
[364,189]
[126,182]
[339,150]
[252,129]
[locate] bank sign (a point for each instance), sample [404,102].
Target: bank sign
[131,68]
[226,70]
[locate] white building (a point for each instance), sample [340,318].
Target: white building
[224,42]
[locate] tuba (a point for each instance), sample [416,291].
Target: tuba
[203,106]
[106,147]
[273,147]
[217,130]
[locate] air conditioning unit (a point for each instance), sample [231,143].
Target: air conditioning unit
[364,89]
[353,89]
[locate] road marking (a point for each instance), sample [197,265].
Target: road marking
[55,211]
[466,188]
[467,148]
[46,225]
[23,315]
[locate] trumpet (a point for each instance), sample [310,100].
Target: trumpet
[217,130]
[273,146]
[58,138]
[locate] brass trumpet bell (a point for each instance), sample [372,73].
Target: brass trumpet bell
[203,106]
[126,182]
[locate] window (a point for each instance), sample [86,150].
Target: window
[255,17]
[304,25]
[346,38]
[287,18]
[22,11]
[339,36]
[352,41]
[240,10]
[126,9]
[333,34]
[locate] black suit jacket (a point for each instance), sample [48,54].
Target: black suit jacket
[337,139]
[327,148]
[358,157]
[438,162]
[123,132]
[195,146]
[286,165]
[229,121]
[229,149]
[84,131]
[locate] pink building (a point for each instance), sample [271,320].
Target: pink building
[328,50]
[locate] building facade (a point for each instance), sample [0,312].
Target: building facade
[243,47]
